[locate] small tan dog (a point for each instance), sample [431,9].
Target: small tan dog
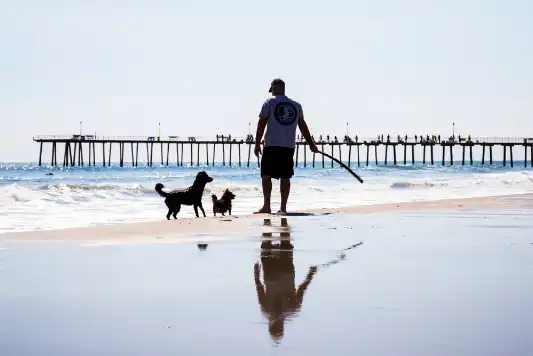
[223,204]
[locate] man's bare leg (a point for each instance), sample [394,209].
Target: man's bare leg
[285,189]
[267,192]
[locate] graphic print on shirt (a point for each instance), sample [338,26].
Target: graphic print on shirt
[285,113]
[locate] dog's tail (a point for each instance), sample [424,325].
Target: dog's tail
[159,189]
[214,198]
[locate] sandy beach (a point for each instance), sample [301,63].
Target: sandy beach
[426,278]
[220,227]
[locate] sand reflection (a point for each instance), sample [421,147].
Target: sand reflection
[278,297]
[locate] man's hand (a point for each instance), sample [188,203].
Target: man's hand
[257,149]
[313,148]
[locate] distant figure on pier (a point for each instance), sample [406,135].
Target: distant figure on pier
[280,116]
[336,141]
[356,138]
[416,138]
[327,137]
[321,140]
[405,138]
[388,138]
[439,138]
[381,138]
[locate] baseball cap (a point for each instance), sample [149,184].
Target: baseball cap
[276,81]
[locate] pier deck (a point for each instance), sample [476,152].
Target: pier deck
[73,148]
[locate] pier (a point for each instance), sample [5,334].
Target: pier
[91,150]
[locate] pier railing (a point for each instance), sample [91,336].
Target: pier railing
[323,139]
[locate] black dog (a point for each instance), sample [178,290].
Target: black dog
[224,203]
[190,196]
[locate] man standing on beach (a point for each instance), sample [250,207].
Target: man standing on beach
[279,115]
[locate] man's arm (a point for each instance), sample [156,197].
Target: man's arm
[259,288]
[302,125]
[303,287]
[261,125]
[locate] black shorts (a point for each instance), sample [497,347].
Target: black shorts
[277,162]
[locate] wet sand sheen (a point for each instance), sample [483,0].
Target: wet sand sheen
[421,283]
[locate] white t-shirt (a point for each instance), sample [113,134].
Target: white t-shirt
[283,114]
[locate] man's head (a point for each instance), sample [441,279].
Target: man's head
[277,87]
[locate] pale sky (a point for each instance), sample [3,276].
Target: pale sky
[204,67]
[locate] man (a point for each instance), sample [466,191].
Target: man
[279,115]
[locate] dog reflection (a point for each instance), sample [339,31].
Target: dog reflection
[278,296]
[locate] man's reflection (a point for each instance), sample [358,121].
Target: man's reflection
[278,297]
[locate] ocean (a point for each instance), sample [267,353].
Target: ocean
[31,199]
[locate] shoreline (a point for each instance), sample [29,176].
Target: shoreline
[147,231]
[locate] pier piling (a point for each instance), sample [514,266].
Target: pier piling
[305,155]
[323,162]
[249,154]
[239,154]
[223,154]
[451,155]
[332,155]
[230,149]
[349,155]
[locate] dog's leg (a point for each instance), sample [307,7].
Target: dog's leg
[214,212]
[202,209]
[196,210]
[229,210]
[168,214]
[176,211]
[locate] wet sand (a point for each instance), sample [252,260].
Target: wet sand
[452,281]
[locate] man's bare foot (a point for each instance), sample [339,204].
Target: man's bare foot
[281,212]
[263,210]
